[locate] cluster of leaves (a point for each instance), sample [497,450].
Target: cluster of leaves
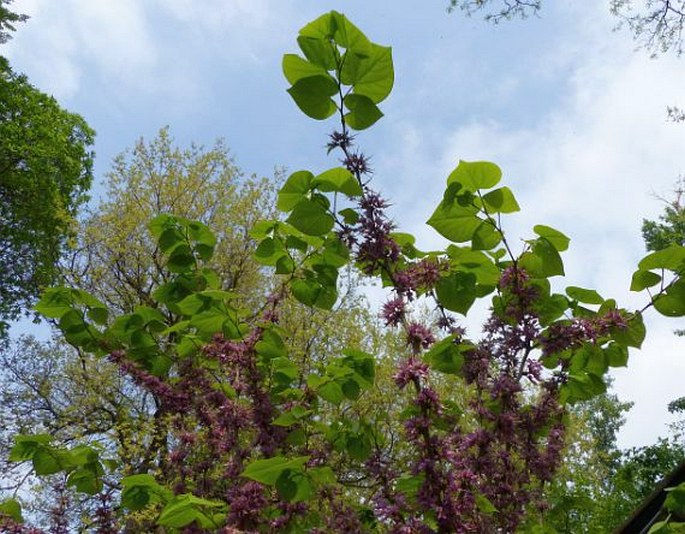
[256,441]
[45,171]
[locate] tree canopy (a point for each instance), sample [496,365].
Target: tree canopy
[245,390]
[45,171]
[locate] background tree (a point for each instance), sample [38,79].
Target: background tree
[53,388]
[7,20]
[656,25]
[45,171]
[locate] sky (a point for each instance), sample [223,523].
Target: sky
[572,113]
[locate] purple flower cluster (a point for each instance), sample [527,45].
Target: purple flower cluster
[375,249]
[411,370]
[419,276]
[394,311]
[572,334]
[419,336]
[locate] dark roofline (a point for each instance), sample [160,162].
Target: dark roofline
[651,508]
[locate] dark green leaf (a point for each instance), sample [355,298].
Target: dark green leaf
[643,279]
[311,218]
[445,356]
[671,258]
[633,335]
[46,461]
[286,486]
[457,291]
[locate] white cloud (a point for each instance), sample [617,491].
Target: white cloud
[61,40]
[589,168]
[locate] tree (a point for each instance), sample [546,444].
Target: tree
[45,172]
[657,25]
[256,439]
[7,20]
[580,498]
[72,395]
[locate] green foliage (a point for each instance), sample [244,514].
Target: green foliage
[7,21]
[45,171]
[244,419]
[339,61]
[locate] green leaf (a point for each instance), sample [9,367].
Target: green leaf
[455,222]
[351,389]
[338,179]
[643,279]
[501,200]
[587,296]
[85,481]
[313,96]
[348,35]
[558,240]
[295,68]
[140,490]
[372,76]
[363,363]
[269,251]
[409,485]
[359,447]
[617,355]
[160,223]
[445,357]
[349,215]
[311,218]
[457,292]
[178,513]
[46,461]
[475,175]
[543,260]
[675,500]
[669,305]
[484,504]
[331,392]
[98,315]
[271,345]
[486,236]
[363,112]
[286,486]
[294,190]
[306,291]
[267,471]
[25,446]
[671,258]
[319,51]
[55,302]
[11,508]
[633,335]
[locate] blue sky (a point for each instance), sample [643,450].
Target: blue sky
[570,111]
